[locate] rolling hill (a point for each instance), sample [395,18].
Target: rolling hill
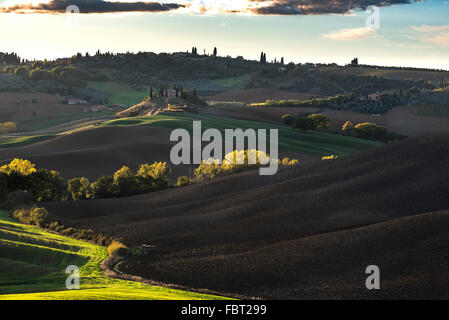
[106,148]
[308,232]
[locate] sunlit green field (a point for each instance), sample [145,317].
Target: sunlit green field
[24,141]
[33,264]
[290,139]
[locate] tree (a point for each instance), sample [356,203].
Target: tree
[288,119]
[124,172]
[282,60]
[79,188]
[126,183]
[46,185]
[153,177]
[304,124]
[355,62]
[215,51]
[348,127]
[321,121]
[371,131]
[24,167]
[263,58]
[103,188]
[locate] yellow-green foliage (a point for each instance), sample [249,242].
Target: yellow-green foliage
[24,167]
[331,157]
[117,249]
[182,181]
[348,127]
[79,188]
[35,216]
[157,171]
[321,121]
[8,127]
[124,172]
[235,161]
[285,162]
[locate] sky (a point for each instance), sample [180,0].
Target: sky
[402,33]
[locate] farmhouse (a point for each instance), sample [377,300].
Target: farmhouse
[374,96]
[74,101]
[98,108]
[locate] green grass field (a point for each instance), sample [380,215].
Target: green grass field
[24,141]
[314,142]
[33,263]
[234,83]
[119,93]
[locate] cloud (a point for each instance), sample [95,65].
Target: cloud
[315,7]
[91,6]
[351,34]
[438,35]
[258,7]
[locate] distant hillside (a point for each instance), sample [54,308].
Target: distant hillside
[308,232]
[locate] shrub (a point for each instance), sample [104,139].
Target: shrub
[304,124]
[79,188]
[288,119]
[286,162]
[39,216]
[68,231]
[348,127]
[103,188]
[46,185]
[22,215]
[331,157]
[371,131]
[55,226]
[35,216]
[321,121]
[183,181]
[118,249]
[19,198]
[8,127]
[236,161]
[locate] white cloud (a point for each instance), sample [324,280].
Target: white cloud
[438,35]
[351,34]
